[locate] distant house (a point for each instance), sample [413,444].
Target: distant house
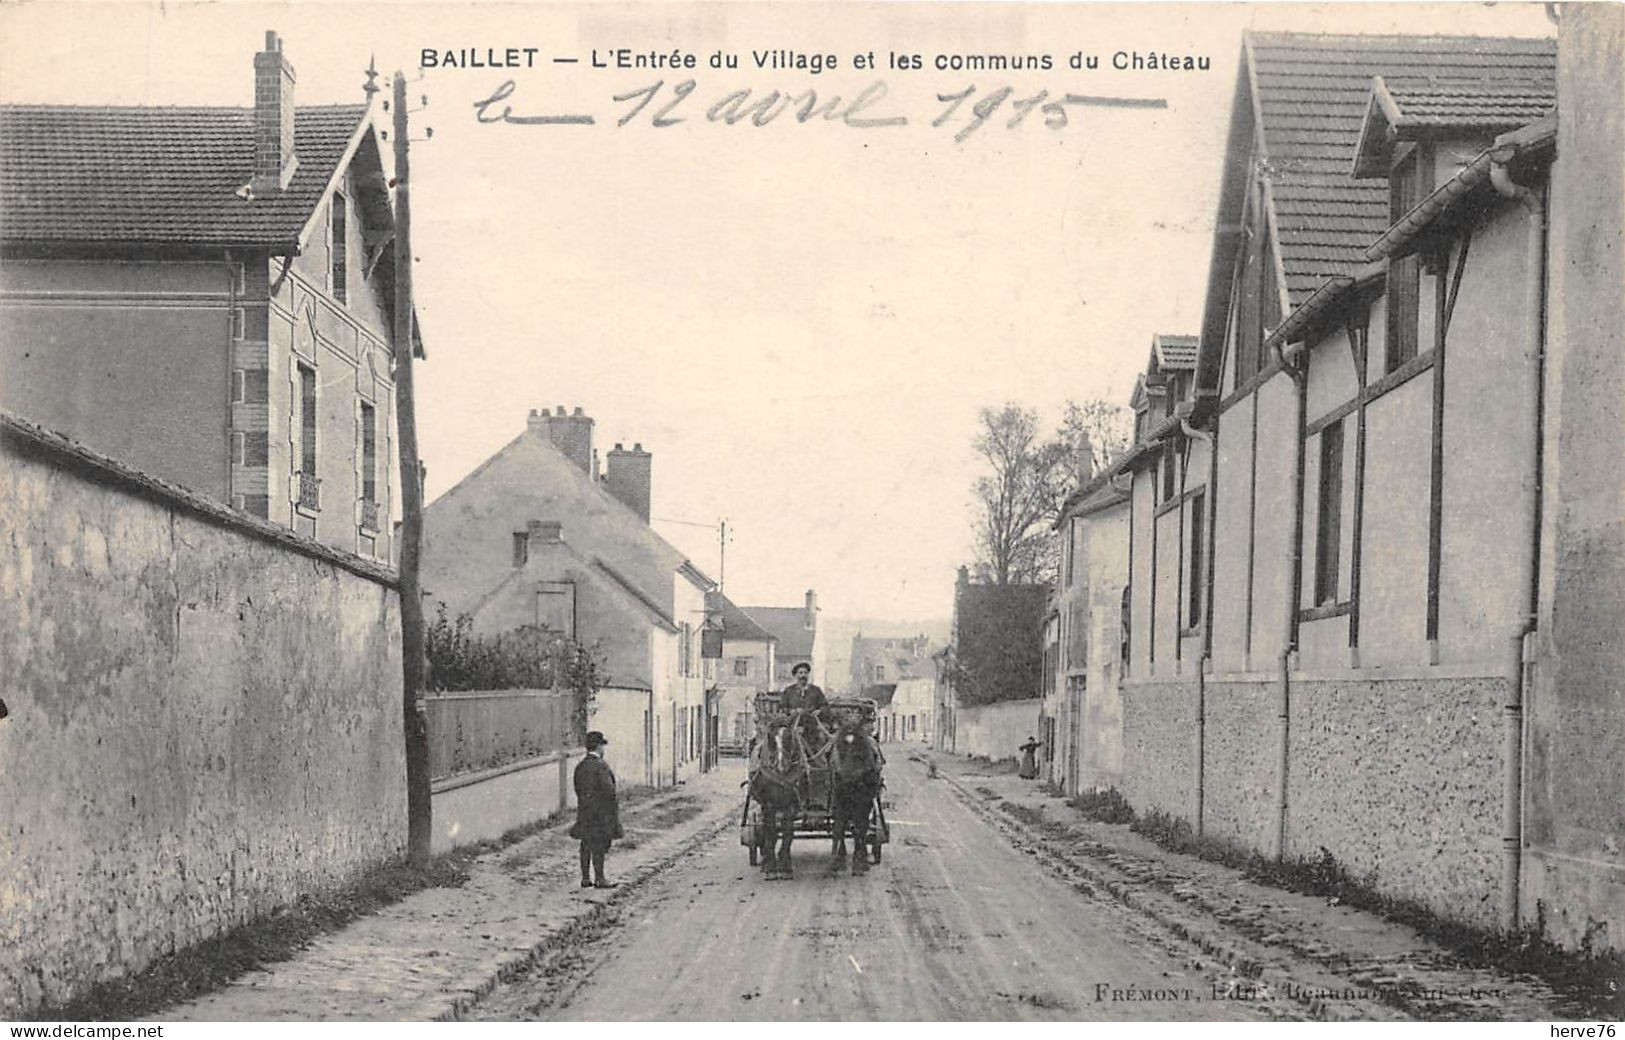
[533,537]
[798,642]
[889,659]
[745,669]
[207,295]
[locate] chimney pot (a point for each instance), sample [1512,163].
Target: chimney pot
[619,446]
[578,410]
[637,446]
[562,411]
[628,476]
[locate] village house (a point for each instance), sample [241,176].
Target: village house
[207,295]
[1085,700]
[796,631]
[1336,537]
[746,668]
[534,537]
[889,659]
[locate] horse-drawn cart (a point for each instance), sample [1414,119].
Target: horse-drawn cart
[798,774]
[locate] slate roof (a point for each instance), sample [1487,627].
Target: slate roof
[736,624]
[789,626]
[1174,353]
[158,175]
[1312,91]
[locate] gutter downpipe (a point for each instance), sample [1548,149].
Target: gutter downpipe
[1192,433]
[1289,630]
[1518,659]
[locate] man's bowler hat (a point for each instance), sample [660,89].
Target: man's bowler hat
[596,739]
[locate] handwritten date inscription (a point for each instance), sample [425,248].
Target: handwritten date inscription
[867,110]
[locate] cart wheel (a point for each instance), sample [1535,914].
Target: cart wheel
[874,852]
[755,855]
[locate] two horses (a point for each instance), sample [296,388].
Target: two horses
[785,761]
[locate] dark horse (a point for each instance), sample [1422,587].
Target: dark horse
[854,786]
[775,784]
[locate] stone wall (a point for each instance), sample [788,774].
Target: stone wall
[996,731]
[205,718]
[1427,744]
[1159,747]
[1401,779]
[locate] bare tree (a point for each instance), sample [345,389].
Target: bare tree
[1016,500]
[1095,431]
[1030,477]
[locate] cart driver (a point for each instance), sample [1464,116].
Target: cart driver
[802,695]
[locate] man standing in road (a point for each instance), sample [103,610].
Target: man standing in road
[598,818]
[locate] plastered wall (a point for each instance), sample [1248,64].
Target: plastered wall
[205,721]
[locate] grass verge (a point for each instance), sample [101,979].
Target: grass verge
[1594,981]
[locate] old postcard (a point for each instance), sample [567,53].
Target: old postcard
[812,512]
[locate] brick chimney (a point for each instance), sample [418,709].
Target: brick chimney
[571,434]
[812,610]
[274,159]
[627,476]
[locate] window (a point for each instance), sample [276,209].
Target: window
[369,453]
[880,672]
[307,420]
[336,249]
[741,666]
[556,608]
[1329,520]
[1404,273]
[1170,466]
[1193,581]
[685,648]
[521,548]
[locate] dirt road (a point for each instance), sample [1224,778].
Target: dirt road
[954,924]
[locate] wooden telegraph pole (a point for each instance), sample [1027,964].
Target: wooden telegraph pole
[418,810]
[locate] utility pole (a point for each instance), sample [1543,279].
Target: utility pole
[419,818]
[722,557]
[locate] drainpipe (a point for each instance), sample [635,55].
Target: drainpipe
[1527,574]
[1289,613]
[1193,433]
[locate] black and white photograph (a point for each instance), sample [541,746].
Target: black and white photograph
[1138,532]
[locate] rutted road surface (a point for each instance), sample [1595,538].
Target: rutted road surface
[954,924]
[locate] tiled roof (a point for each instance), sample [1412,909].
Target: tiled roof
[789,626]
[1312,93]
[1175,352]
[157,175]
[736,624]
[1487,106]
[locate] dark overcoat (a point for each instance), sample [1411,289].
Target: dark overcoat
[793,698]
[598,814]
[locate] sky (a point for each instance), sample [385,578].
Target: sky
[800,321]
